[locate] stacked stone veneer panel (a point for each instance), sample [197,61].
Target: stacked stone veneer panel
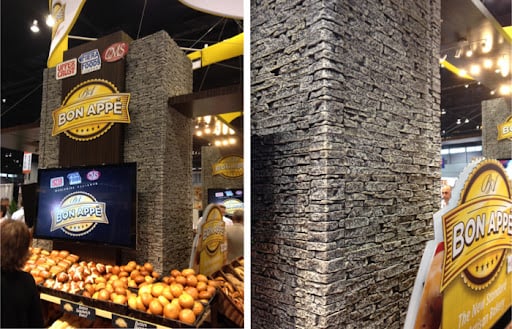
[495,112]
[159,139]
[48,144]
[345,155]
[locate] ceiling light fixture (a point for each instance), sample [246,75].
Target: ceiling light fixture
[50,21]
[443,111]
[458,53]
[505,90]
[466,121]
[474,69]
[487,43]
[35,27]
[504,64]
[458,121]
[487,63]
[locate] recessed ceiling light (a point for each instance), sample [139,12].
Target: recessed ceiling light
[35,27]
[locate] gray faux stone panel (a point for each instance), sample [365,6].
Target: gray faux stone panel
[48,145]
[345,153]
[159,139]
[495,112]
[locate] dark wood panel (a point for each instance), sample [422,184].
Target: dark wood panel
[108,148]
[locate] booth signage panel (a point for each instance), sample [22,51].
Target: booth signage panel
[476,281]
[230,167]
[505,129]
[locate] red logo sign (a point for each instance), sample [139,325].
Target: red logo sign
[115,52]
[56,182]
[66,69]
[93,175]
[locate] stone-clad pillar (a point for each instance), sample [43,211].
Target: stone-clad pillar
[345,157]
[159,139]
[48,144]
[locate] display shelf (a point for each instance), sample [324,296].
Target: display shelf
[119,320]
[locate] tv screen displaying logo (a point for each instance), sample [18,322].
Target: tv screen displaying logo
[233,199]
[89,204]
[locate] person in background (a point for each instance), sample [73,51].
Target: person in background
[446,195]
[21,306]
[19,214]
[3,213]
[5,202]
[235,236]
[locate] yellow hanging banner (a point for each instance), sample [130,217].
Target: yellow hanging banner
[65,13]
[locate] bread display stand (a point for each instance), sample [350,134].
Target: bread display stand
[121,315]
[230,303]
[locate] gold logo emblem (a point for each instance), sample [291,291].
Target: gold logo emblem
[230,167]
[505,129]
[479,230]
[78,214]
[90,110]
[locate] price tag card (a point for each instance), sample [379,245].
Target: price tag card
[121,322]
[77,309]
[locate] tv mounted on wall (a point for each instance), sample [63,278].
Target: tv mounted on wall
[232,198]
[94,204]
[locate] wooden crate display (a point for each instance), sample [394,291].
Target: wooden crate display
[231,297]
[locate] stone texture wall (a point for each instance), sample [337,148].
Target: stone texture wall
[158,138]
[495,112]
[345,159]
[48,145]
[209,156]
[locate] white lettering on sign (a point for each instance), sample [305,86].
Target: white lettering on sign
[66,69]
[115,52]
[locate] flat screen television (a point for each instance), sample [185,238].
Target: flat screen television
[507,164]
[232,198]
[94,204]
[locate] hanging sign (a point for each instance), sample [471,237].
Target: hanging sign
[230,167]
[27,162]
[505,129]
[90,110]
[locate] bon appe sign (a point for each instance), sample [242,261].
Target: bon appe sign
[465,276]
[505,129]
[476,278]
[90,109]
